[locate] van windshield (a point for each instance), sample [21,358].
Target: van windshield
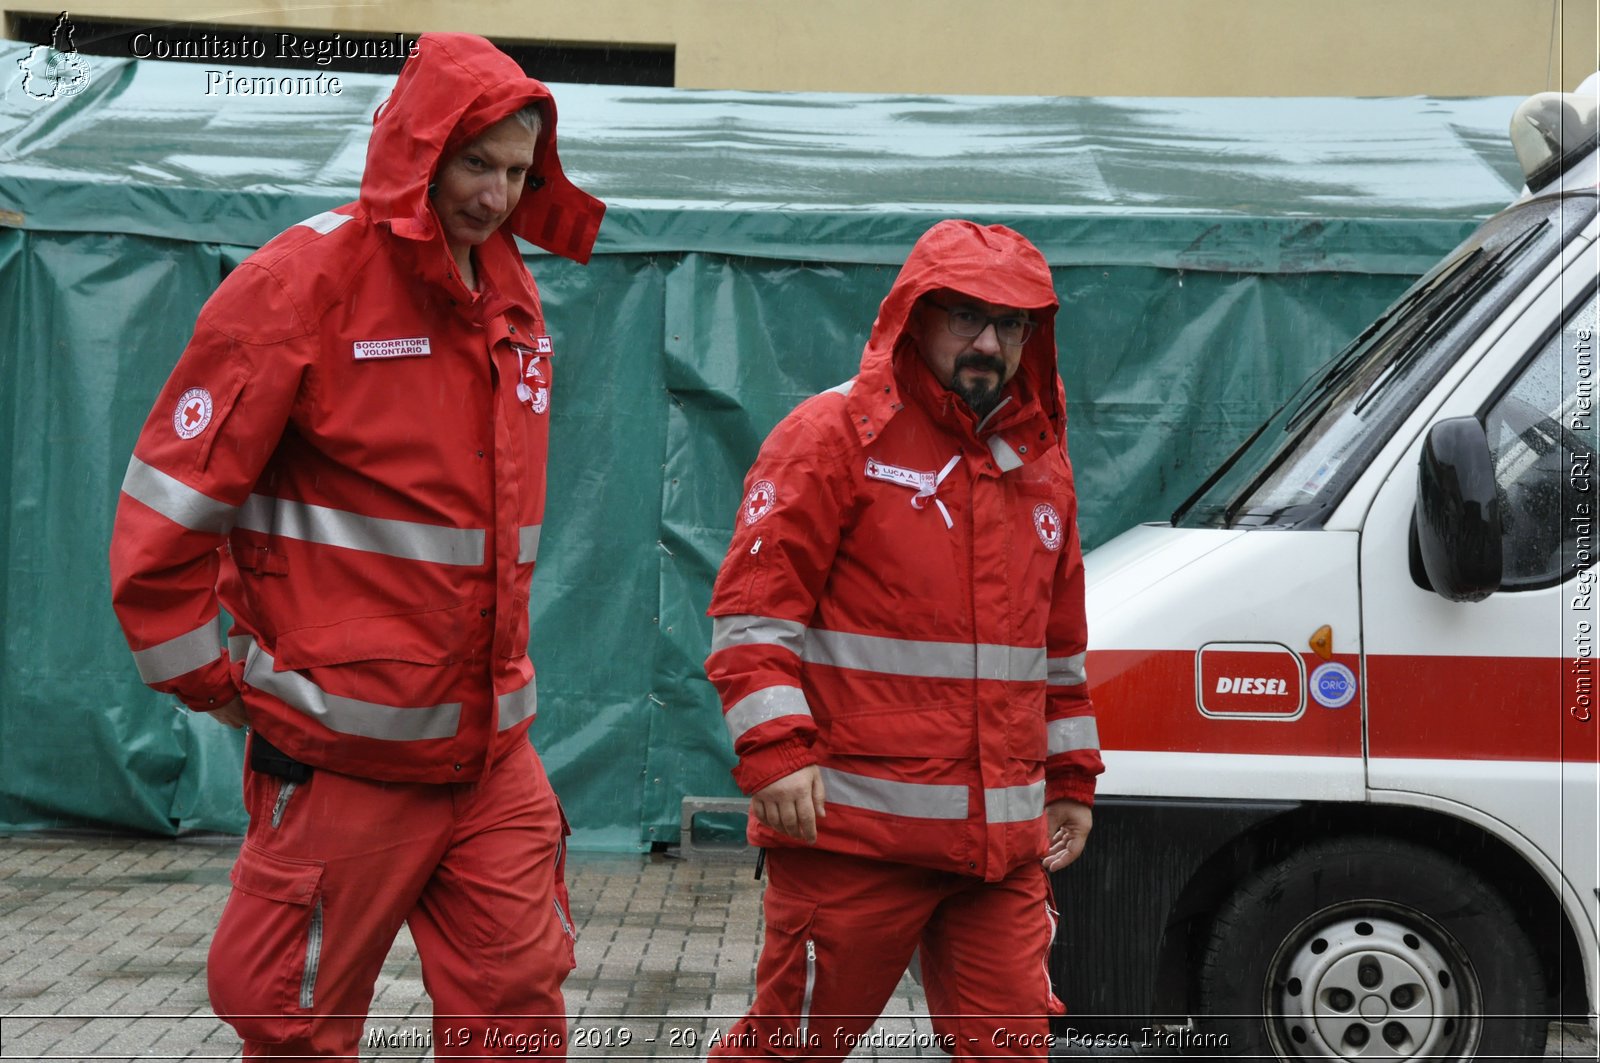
[1298,465]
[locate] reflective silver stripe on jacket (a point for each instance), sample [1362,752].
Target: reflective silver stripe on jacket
[391,723]
[932,660]
[174,657]
[1014,804]
[909,799]
[517,705]
[1066,671]
[1077,732]
[1004,456]
[528,544]
[769,703]
[377,535]
[326,222]
[176,500]
[745,629]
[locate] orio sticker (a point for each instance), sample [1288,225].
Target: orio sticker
[193,413]
[759,502]
[1047,522]
[1333,685]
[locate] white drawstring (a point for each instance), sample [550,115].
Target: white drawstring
[928,491]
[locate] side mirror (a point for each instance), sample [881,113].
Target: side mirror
[1456,524]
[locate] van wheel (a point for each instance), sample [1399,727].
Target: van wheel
[1370,948]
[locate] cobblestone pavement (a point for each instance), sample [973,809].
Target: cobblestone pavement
[103,944]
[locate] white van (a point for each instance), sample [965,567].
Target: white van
[1347,693]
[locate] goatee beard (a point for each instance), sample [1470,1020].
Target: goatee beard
[980,397]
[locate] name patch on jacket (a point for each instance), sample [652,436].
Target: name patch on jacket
[418,347]
[921,482]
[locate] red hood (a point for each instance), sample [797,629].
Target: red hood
[991,263]
[456,86]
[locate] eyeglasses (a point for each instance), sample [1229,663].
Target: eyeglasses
[1011,329]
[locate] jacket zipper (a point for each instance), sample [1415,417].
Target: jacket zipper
[286,790]
[308,981]
[811,985]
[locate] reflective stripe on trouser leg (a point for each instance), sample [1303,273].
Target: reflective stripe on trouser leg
[314,910]
[861,919]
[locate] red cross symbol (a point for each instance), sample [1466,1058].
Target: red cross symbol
[1048,525]
[762,497]
[191,413]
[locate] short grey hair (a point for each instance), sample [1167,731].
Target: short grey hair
[530,118]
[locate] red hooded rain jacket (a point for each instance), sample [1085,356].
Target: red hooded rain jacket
[902,602]
[350,458]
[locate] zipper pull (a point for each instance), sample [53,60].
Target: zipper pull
[755,547]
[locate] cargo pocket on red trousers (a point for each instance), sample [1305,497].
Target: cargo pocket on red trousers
[791,949]
[262,970]
[563,900]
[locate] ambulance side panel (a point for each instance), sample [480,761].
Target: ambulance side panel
[1456,722]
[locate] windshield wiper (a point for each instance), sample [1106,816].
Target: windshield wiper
[1309,387]
[1334,377]
[1347,364]
[1451,306]
[1222,470]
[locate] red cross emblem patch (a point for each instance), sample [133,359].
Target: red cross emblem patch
[1047,522]
[193,413]
[759,501]
[534,386]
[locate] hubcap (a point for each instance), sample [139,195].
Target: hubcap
[1372,981]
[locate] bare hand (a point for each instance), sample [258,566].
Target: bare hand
[1069,823]
[231,714]
[793,804]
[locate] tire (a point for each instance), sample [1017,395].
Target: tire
[1370,948]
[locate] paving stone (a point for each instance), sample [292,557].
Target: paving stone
[105,939]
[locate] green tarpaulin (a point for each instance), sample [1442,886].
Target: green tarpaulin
[1208,254]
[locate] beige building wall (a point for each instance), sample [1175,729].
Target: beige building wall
[1028,47]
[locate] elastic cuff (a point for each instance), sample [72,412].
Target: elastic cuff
[1078,788]
[211,702]
[771,763]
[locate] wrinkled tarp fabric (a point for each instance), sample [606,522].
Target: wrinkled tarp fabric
[1208,255]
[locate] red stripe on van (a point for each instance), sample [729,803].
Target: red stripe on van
[1482,708]
[1427,707]
[1145,700]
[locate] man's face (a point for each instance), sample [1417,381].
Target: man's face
[476,188]
[975,367]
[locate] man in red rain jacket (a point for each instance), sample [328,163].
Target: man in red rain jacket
[350,458]
[898,642]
